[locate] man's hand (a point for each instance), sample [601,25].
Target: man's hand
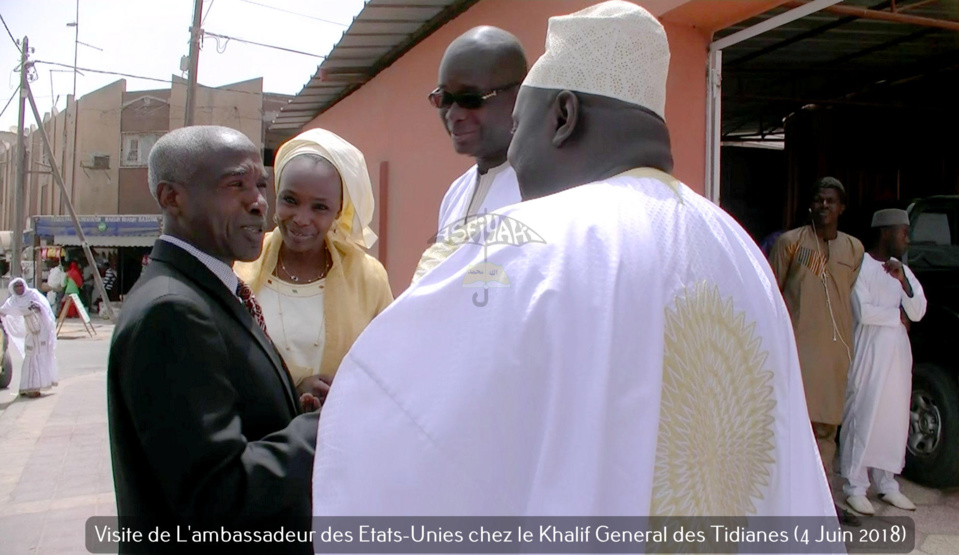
[894,268]
[313,391]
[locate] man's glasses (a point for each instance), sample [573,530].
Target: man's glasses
[468,101]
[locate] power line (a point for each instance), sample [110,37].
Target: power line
[165,81]
[9,101]
[15,43]
[214,35]
[207,14]
[103,71]
[295,13]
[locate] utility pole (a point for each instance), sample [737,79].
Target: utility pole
[76,44]
[15,268]
[76,108]
[194,64]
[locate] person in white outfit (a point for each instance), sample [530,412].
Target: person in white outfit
[478,79]
[31,326]
[875,423]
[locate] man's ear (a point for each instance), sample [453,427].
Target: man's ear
[566,107]
[169,197]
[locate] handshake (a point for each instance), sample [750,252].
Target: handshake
[313,391]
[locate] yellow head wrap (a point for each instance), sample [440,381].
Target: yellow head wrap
[351,229]
[357,212]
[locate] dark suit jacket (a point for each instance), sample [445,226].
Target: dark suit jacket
[203,414]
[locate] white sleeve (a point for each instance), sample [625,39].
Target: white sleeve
[914,306]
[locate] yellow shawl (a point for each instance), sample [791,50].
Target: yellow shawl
[357,289]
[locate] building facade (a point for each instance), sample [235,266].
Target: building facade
[105,173]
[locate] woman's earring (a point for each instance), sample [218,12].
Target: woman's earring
[276,219]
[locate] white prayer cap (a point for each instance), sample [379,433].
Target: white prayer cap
[890,216]
[615,49]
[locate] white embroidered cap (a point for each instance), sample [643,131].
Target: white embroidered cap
[615,49]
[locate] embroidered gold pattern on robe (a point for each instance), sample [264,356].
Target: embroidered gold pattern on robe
[433,256]
[715,446]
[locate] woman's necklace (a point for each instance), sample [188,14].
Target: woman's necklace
[286,338]
[326,269]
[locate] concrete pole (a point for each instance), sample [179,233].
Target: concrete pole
[18,209]
[194,64]
[76,111]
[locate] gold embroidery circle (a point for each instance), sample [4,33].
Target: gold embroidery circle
[715,446]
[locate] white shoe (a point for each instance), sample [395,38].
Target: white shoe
[898,500]
[860,504]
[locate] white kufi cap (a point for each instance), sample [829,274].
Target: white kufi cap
[615,49]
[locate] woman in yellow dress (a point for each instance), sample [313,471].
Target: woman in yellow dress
[317,287]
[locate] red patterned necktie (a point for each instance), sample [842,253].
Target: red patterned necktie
[249,302]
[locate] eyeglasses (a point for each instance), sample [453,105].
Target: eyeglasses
[468,101]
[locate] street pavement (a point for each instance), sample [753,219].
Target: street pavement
[55,468]
[55,463]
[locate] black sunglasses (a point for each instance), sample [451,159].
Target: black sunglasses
[468,101]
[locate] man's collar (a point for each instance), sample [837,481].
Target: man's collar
[219,268]
[494,170]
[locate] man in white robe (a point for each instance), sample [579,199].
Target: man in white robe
[638,361]
[875,424]
[478,79]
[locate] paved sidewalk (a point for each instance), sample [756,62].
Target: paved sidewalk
[55,470]
[936,515]
[55,465]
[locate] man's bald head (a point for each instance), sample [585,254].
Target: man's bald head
[489,48]
[484,61]
[182,155]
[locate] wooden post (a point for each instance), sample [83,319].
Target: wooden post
[384,206]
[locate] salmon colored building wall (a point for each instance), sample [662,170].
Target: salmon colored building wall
[404,140]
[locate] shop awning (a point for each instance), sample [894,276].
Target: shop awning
[101,231]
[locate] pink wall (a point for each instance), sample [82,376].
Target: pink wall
[390,120]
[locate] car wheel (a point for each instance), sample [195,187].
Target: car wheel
[932,451]
[6,371]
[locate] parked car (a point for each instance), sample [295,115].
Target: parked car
[932,452]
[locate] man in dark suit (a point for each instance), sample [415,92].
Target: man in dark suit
[204,429]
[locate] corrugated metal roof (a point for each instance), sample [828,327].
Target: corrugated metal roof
[835,59]
[380,34]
